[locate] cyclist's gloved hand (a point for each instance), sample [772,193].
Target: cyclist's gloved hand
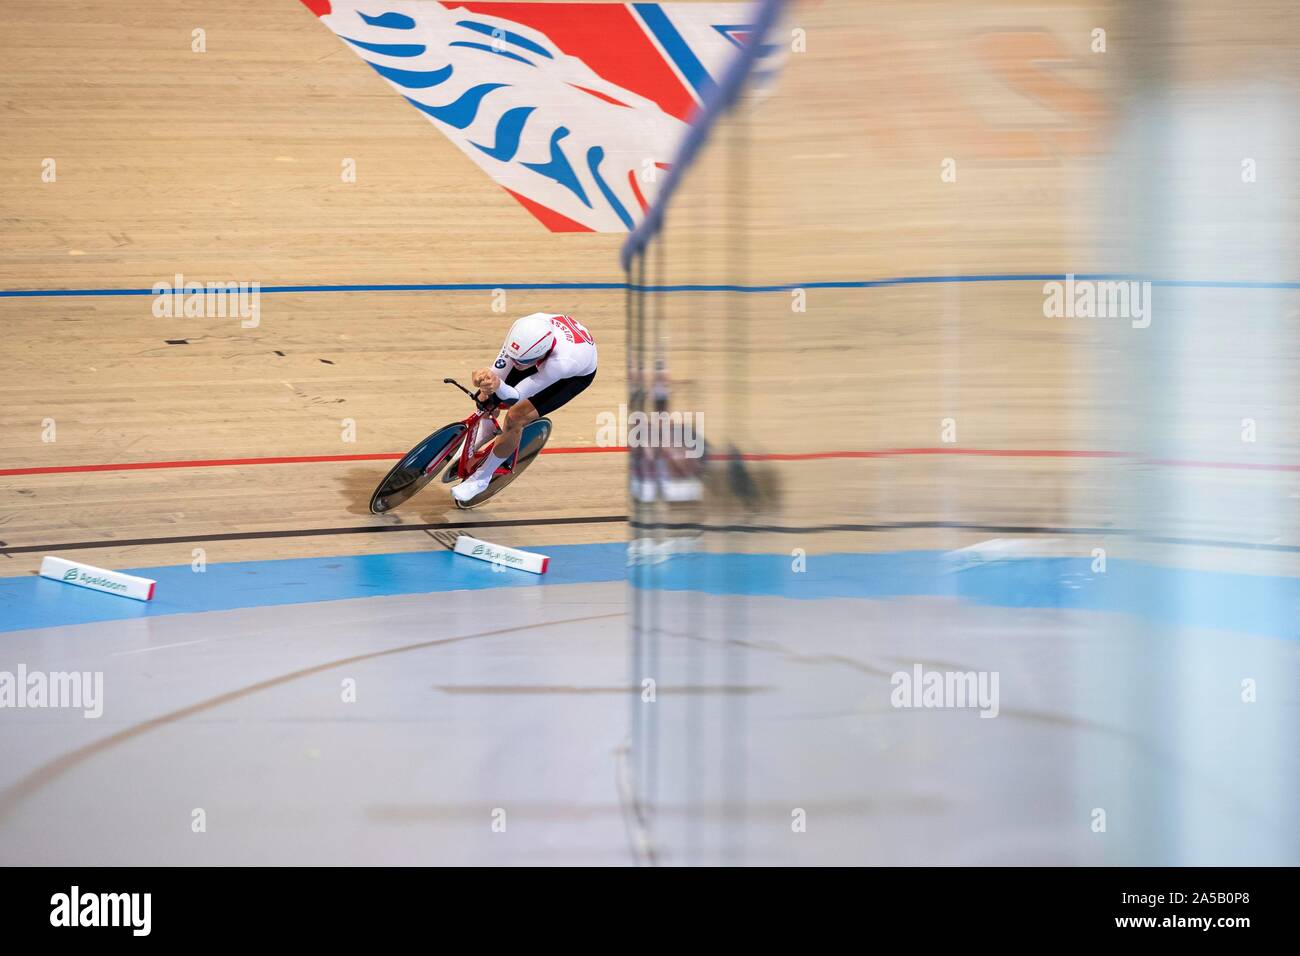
[486,381]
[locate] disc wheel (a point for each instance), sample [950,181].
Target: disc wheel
[417,468]
[531,441]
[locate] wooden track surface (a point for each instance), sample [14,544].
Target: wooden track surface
[1091,431]
[226,166]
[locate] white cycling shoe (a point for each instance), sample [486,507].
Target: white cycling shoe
[473,486]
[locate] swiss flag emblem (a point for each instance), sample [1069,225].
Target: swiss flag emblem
[515,346]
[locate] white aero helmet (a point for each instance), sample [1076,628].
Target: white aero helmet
[530,340]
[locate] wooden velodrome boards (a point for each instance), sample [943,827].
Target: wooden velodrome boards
[948,145]
[225,165]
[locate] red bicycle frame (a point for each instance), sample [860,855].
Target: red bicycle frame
[470,459]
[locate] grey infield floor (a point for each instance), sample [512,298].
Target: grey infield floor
[509,727]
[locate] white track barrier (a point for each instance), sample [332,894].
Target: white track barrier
[98,579]
[499,554]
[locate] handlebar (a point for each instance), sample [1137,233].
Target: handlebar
[490,405]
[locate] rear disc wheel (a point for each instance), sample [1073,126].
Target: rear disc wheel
[531,441]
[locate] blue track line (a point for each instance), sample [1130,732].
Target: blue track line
[695,287]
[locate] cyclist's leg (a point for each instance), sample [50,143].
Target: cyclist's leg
[519,415]
[512,425]
[543,403]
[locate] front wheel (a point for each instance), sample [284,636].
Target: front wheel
[417,468]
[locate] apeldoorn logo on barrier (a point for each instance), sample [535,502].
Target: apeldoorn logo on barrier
[79,576]
[100,579]
[73,690]
[213,300]
[495,554]
[945,690]
[501,557]
[133,910]
[1089,299]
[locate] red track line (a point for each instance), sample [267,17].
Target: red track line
[906,452]
[582,451]
[221,462]
[796,456]
[1240,465]
[197,463]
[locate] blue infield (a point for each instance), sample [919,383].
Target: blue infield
[1254,604]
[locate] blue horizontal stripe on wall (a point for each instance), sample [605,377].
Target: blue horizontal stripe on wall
[695,287]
